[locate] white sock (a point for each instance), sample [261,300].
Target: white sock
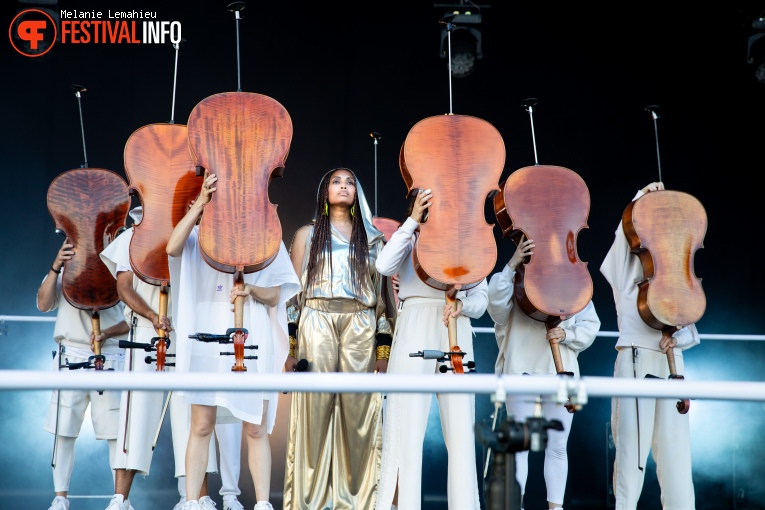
[119,497]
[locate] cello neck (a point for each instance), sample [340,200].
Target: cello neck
[451,300]
[239,301]
[95,322]
[164,289]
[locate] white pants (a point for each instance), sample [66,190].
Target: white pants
[71,409]
[556,457]
[663,431]
[230,445]
[140,411]
[62,471]
[420,326]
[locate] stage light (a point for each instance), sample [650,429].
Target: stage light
[755,51]
[465,42]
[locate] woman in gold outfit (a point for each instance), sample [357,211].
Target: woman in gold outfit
[343,323]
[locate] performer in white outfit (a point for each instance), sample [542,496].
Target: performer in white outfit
[524,348]
[421,325]
[642,351]
[141,411]
[73,334]
[203,304]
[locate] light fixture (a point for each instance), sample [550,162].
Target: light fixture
[466,47]
[755,50]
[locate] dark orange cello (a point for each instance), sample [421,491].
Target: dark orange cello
[244,139]
[162,174]
[549,204]
[89,206]
[664,230]
[460,158]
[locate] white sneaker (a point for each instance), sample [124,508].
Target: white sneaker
[264,505]
[118,503]
[206,503]
[59,503]
[191,505]
[231,503]
[179,505]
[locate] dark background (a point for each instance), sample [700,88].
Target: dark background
[342,71]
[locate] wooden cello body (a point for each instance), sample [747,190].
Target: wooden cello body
[460,158]
[664,230]
[244,139]
[89,206]
[162,174]
[549,204]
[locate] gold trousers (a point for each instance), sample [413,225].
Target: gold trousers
[335,439]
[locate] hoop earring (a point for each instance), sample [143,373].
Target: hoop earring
[353,210]
[326,209]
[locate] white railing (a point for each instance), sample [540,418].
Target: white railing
[559,388]
[489,330]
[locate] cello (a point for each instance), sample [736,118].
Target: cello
[553,284]
[664,230]
[161,173]
[244,139]
[89,206]
[460,158]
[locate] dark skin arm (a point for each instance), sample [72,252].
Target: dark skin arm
[46,294]
[130,297]
[118,329]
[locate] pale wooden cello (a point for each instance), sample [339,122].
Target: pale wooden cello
[664,230]
[460,158]
[549,204]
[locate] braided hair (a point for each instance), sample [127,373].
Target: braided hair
[321,241]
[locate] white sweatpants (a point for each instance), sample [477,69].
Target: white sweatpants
[230,446]
[663,431]
[556,457]
[62,471]
[140,411]
[420,326]
[71,409]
